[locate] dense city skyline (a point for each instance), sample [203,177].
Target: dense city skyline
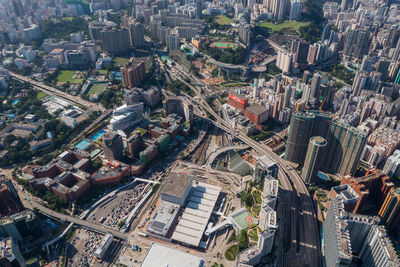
[199,133]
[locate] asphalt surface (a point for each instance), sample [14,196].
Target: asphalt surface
[305,248]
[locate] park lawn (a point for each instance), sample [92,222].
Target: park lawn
[97,88]
[103,72]
[67,18]
[287,24]
[223,20]
[40,95]
[66,76]
[120,61]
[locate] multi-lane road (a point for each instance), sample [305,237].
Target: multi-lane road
[302,244]
[63,217]
[55,92]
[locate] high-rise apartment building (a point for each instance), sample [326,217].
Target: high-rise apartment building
[301,51]
[303,126]
[284,61]
[133,73]
[337,246]
[112,146]
[287,96]
[345,145]
[265,167]
[348,237]
[378,249]
[136,34]
[18,8]
[10,255]
[245,34]
[172,41]
[179,106]
[314,158]
[32,33]
[115,40]
[346,5]
[390,211]
[295,9]
[392,165]
[359,83]
[315,84]
[357,43]
[199,8]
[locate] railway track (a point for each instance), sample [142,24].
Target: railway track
[199,155]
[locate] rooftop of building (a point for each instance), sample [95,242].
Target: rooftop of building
[6,250]
[257,109]
[346,192]
[176,184]
[160,255]
[247,255]
[266,161]
[195,217]
[110,169]
[23,215]
[161,221]
[242,97]
[318,140]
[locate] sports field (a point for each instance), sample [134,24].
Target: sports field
[83,144]
[285,25]
[223,20]
[119,61]
[243,219]
[97,88]
[222,45]
[73,77]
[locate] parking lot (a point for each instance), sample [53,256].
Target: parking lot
[113,212]
[80,250]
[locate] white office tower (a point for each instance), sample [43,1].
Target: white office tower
[378,249]
[126,116]
[284,61]
[295,9]
[392,165]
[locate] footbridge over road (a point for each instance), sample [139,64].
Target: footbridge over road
[210,159]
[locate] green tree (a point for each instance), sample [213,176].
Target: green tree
[243,240]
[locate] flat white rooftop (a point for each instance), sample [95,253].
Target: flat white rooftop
[162,256]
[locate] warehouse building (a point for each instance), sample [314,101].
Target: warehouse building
[195,217]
